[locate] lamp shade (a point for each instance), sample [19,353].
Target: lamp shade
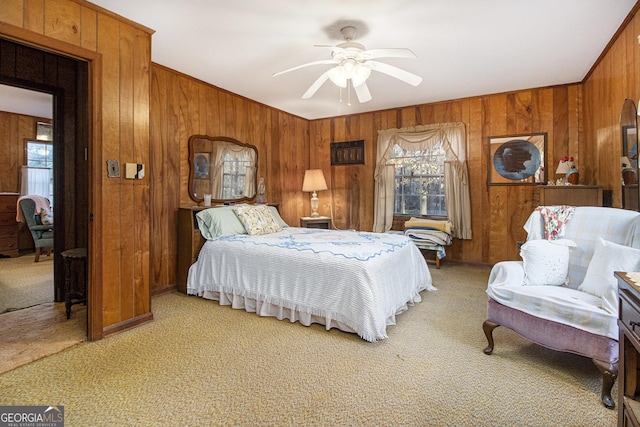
[314,181]
[564,167]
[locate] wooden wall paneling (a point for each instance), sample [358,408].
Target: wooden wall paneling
[141,188]
[62,21]
[89,29]
[34,15]
[336,177]
[111,225]
[189,124]
[156,170]
[127,200]
[477,169]
[7,154]
[212,112]
[12,11]
[496,109]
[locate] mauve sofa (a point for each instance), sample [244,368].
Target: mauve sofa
[569,317]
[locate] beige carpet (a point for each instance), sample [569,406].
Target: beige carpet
[200,364]
[19,289]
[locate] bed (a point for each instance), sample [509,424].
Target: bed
[354,281]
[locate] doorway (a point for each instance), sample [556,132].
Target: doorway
[66,79]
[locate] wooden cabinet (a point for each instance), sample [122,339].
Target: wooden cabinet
[8,225]
[629,344]
[315,222]
[572,195]
[189,243]
[630,197]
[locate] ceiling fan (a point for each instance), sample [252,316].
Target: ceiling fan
[353,65]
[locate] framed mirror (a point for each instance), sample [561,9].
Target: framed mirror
[223,167]
[629,156]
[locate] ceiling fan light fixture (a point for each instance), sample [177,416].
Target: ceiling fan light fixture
[361,74]
[338,76]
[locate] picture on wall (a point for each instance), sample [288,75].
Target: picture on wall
[44,131]
[201,165]
[518,159]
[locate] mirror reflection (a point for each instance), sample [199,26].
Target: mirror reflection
[222,167]
[629,158]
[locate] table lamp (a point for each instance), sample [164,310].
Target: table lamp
[314,181]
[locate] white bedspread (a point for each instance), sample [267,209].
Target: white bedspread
[357,280]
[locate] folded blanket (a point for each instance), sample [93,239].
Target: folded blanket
[442,225]
[42,203]
[428,236]
[555,217]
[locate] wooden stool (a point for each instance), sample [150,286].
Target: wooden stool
[75,273]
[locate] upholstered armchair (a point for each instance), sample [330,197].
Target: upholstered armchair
[563,294]
[42,233]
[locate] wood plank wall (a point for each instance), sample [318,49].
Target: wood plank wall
[182,106]
[498,212]
[610,82]
[120,55]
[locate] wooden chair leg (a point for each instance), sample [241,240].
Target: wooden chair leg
[488,327]
[38,251]
[49,251]
[609,373]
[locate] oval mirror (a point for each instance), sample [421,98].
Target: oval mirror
[223,167]
[629,159]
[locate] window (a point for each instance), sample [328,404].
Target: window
[234,172]
[419,181]
[39,160]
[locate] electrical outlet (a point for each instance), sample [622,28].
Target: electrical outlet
[113,169]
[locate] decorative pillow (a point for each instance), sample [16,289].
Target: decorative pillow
[276,216]
[546,262]
[219,222]
[599,279]
[257,219]
[46,217]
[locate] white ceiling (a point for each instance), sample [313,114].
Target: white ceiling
[464,47]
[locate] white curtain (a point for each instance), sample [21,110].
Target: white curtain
[35,182]
[456,177]
[235,151]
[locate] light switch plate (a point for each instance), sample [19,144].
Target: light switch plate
[134,171]
[113,169]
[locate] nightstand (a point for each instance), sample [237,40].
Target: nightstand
[315,222]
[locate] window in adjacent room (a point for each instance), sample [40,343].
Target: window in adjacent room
[39,162]
[234,173]
[419,181]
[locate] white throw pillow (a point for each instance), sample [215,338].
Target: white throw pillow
[599,279]
[546,262]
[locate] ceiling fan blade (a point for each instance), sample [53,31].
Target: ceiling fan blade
[388,53]
[322,62]
[316,85]
[363,93]
[396,72]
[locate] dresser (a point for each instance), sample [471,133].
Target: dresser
[629,342]
[8,224]
[189,243]
[572,195]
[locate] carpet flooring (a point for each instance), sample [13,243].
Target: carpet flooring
[202,364]
[20,290]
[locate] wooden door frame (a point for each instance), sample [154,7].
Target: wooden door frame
[94,61]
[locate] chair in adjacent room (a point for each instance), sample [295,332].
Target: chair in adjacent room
[42,233]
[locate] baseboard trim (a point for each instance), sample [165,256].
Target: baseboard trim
[127,324]
[164,290]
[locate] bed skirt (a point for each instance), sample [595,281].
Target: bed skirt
[304,317]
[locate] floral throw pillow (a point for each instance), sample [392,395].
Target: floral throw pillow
[257,220]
